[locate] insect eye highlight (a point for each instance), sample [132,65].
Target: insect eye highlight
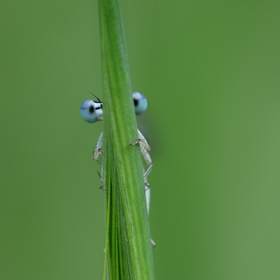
[135,102]
[91,109]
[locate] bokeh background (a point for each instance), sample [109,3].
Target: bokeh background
[211,73]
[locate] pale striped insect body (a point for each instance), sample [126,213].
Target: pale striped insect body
[92,111]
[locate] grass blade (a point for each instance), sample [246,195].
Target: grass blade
[128,252]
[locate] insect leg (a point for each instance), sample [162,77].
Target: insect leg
[98,150]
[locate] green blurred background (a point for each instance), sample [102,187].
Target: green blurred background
[210,70]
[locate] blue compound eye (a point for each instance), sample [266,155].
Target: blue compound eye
[140,102]
[91,111]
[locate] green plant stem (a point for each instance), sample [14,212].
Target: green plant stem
[128,252]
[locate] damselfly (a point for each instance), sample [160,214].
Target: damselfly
[92,111]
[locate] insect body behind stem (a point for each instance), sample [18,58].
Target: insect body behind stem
[92,112]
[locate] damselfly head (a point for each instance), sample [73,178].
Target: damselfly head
[92,111]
